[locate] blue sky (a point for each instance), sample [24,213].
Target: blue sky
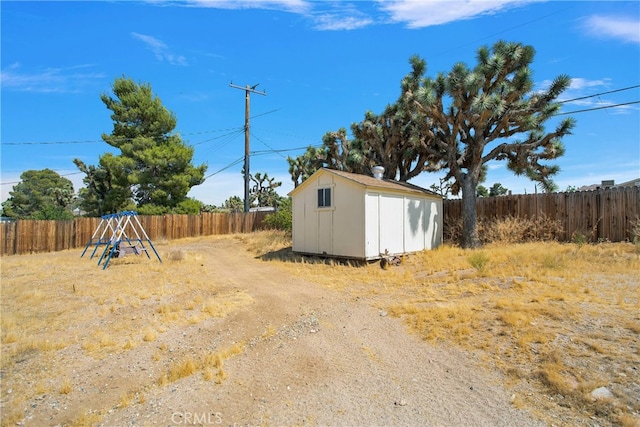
[323,64]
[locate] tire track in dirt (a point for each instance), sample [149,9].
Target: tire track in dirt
[312,357]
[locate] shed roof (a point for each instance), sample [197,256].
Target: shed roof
[371,182]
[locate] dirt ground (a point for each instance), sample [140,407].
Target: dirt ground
[297,353]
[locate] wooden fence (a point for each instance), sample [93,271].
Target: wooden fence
[604,214]
[29,236]
[609,214]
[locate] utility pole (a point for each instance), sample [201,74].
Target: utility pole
[247,90]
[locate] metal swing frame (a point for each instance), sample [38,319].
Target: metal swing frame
[119,242]
[106,224]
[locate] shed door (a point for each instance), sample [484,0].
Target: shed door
[391,217]
[325,231]
[372,231]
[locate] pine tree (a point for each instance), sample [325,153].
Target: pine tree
[154,166]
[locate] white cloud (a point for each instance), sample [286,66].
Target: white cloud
[332,16]
[294,6]
[333,22]
[50,80]
[195,96]
[339,15]
[160,49]
[425,13]
[581,87]
[578,83]
[622,28]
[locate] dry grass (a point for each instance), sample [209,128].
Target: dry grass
[267,242]
[58,302]
[211,364]
[66,387]
[509,230]
[559,320]
[88,418]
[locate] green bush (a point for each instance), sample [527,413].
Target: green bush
[478,260]
[49,211]
[185,207]
[282,218]
[150,209]
[189,206]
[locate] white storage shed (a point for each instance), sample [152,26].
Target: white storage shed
[349,215]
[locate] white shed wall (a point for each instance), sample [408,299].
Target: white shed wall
[423,224]
[363,223]
[337,230]
[401,223]
[372,226]
[434,217]
[305,223]
[415,227]
[391,218]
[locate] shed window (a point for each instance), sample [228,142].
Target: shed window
[324,197]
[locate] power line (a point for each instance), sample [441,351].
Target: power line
[506,30]
[268,146]
[229,137]
[263,152]
[598,94]
[206,131]
[236,129]
[18,182]
[53,142]
[235,162]
[93,141]
[264,114]
[255,153]
[599,108]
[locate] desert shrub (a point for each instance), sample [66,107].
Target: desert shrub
[516,230]
[583,236]
[176,255]
[452,230]
[580,237]
[281,219]
[542,228]
[507,230]
[478,260]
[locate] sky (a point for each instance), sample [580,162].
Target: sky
[321,66]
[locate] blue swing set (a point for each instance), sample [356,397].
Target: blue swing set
[120,229]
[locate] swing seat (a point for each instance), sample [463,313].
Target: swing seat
[126,248]
[123,242]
